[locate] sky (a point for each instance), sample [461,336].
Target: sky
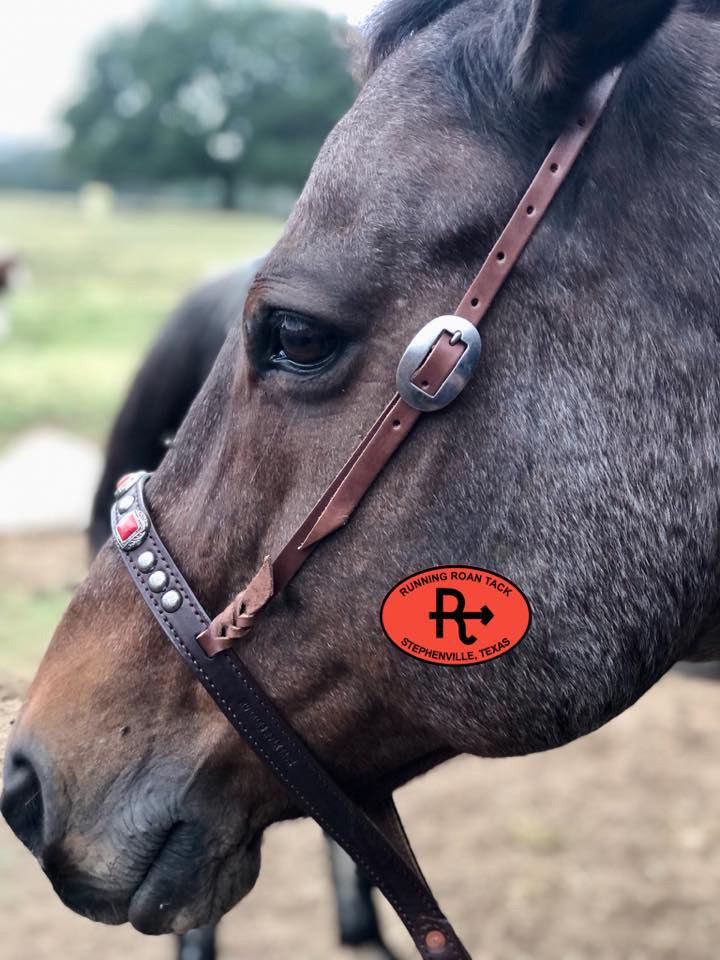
[43,45]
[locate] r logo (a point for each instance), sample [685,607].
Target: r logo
[455,616]
[458,614]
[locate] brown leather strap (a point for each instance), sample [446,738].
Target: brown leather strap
[336,505]
[373,836]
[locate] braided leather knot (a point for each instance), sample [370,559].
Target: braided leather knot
[236,620]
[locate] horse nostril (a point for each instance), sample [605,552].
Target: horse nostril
[22,801]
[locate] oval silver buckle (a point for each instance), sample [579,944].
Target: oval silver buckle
[417,351]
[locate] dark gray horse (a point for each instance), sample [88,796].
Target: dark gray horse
[582,462]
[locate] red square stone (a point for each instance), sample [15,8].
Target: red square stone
[128,526]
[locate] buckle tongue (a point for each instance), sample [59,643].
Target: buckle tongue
[417,351]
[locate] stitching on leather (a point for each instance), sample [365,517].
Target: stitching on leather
[320,818]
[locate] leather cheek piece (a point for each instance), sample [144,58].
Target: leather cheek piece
[238,617]
[339,501]
[371,834]
[336,505]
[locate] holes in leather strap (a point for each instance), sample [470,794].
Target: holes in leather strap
[474,302]
[554,167]
[500,256]
[530,210]
[396,424]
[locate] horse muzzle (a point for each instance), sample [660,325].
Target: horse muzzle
[144,855]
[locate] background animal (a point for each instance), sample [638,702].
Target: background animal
[167,382]
[8,266]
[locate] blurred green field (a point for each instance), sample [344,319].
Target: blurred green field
[98,288]
[96,292]
[29,617]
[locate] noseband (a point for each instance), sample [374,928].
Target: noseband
[435,368]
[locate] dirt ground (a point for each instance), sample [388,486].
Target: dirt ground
[608,849]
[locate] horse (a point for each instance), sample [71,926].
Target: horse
[172,373]
[581,461]
[7,265]
[8,270]
[170,377]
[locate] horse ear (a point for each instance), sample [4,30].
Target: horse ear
[567,44]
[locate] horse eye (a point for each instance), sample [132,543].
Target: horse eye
[299,344]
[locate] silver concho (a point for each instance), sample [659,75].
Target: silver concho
[158,581]
[126,538]
[171,601]
[418,349]
[125,502]
[146,561]
[127,481]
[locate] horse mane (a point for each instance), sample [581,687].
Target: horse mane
[474,52]
[394,21]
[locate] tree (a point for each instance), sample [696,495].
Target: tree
[240,93]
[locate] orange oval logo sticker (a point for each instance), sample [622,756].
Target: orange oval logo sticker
[455,616]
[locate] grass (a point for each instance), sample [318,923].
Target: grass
[29,617]
[98,289]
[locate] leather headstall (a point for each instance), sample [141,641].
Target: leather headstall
[434,369]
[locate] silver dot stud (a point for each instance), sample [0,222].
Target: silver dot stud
[124,503]
[158,581]
[146,561]
[171,601]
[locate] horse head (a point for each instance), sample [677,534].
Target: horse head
[581,461]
